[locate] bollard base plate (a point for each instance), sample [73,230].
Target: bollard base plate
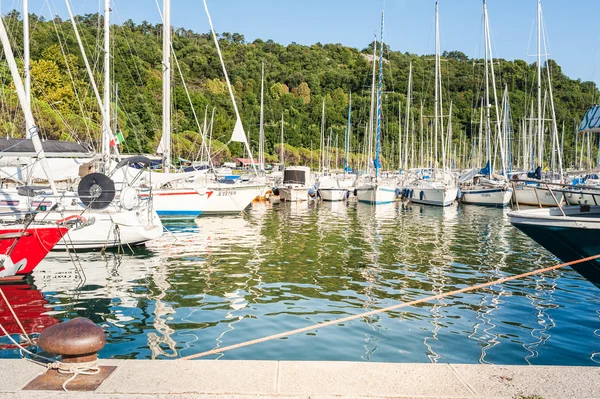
[52,380]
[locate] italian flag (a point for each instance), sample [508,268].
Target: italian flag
[118,139]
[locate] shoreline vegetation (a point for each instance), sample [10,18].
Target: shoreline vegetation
[298,79]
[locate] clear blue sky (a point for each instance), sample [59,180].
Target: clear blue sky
[570,24]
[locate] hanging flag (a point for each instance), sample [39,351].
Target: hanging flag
[118,139]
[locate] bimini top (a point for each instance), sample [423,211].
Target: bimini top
[52,149]
[591,120]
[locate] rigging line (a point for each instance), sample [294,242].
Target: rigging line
[388,309]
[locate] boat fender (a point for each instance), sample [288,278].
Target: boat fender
[421,195]
[397,192]
[311,192]
[411,193]
[347,194]
[355,192]
[459,194]
[275,191]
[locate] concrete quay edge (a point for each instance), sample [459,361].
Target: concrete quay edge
[239,379]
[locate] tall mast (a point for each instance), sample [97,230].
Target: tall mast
[437,72]
[32,130]
[322,161]
[377,164]
[372,112]
[282,147]
[347,141]
[407,115]
[539,81]
[26,53]
[106,97]
[166,78]
[488,139]
[261,135]
[491,61]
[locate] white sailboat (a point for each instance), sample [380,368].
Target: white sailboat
[374,191]
[98,219]
[486,188]
[336,187]
[439,189]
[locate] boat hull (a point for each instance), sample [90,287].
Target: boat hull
[566,238]
[572,197]
[495,197]
[293,194]
[376,194]
[536,196]
[230,199]
[433,196]
[179,204]
[333,194]
[28,250]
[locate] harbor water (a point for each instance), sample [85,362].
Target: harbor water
[225,280]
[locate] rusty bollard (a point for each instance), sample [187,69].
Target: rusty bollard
[76,341]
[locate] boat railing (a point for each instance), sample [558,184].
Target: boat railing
[556,187]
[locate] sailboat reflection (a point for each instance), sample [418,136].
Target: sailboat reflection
[29,305]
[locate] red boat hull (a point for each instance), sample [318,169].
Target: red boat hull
[29,248]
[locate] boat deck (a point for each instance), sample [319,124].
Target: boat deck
[287,379]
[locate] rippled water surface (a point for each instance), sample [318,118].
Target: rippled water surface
[224,280]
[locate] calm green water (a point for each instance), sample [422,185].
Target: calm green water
[226,280]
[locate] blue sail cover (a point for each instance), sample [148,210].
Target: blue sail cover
[486,170]
[591,120]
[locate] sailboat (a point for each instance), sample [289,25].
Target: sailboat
[486,188]
[335,187]
[439,189]
[535,192]
[374,191]
[191,194]
[98,218]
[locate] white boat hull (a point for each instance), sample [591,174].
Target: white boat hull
[293,194]
[333,194]
[376,194]
[498,197]
[233,198]
[179,204]
[442,196]
[575,198]
[536,196]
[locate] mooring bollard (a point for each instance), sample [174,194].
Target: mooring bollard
[76,341]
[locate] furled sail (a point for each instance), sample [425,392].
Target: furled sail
[591,120]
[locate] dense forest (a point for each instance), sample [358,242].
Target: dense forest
[297,80]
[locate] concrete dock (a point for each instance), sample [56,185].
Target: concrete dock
[320,380]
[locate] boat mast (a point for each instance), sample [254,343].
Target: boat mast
[26,52]
[539,83]
[491,61]
[282,147]
[261,135]
[32,130]
[436,100]
[347,141]
[322,146]
[407,115]
[377,163]
[166,80]
[372,111]
[488,139]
